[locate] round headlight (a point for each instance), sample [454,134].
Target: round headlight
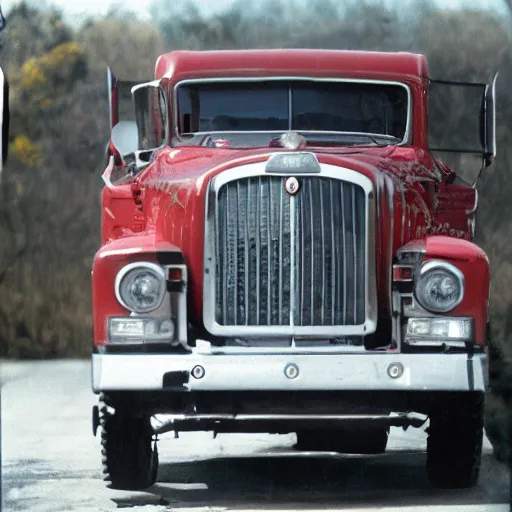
[140,287]
[440,287]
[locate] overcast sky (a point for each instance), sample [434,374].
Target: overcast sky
[78,9]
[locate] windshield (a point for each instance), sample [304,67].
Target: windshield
[253,113]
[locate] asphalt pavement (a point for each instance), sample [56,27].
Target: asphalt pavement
[51,462]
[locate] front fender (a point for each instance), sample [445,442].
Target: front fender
[472,261]
[109,260]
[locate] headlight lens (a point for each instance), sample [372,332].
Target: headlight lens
[140,287]
[440,287]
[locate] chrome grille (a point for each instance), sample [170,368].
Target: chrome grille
[285,260]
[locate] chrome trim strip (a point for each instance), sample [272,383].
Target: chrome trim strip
[257,170]
[407,138]
[338,349]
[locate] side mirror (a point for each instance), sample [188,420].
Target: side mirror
[138,119]
[123,127]
[4,118]
[489,122]
[150,105]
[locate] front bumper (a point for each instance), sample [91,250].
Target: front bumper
[314,372]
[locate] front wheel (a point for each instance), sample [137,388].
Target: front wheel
[454,444]
[129,460]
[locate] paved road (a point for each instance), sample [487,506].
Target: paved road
[51,462]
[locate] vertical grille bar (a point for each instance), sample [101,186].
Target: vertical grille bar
[258,245]
[246,251]
[354,235]
[312,245]
[293,254]
[323,261]
[344,255]
[235,259]
[361,253]
[333,256]
[302,273]
[225,253]
[280,263]
[270,285]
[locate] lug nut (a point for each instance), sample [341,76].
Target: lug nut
[395,370]
[291,371]
[198,372]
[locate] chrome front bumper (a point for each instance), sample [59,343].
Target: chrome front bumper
[297,372]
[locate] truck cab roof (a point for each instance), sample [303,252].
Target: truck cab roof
[186,65]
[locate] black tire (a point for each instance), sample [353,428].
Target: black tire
[350,440]
[454,444]
[129,460]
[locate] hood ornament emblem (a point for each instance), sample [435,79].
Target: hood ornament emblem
[292,185]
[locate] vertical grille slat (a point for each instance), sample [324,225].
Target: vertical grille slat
[258,249]
[354,235]
[270,263]
[312,250]
[324,262]
[236,246]
[333,256]
[302,235]
[257,268]
[246,254]
[225,253]
[281,215]
[344,253]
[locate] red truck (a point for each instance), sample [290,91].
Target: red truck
[282,252]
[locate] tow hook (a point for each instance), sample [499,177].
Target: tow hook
[95,420]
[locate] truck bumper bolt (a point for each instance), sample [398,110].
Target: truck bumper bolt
[198,372]
[291,370]
[395,370]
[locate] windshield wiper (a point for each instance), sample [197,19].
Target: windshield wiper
[380,143]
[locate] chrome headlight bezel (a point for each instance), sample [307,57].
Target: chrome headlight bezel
[435,267]
[142,267]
